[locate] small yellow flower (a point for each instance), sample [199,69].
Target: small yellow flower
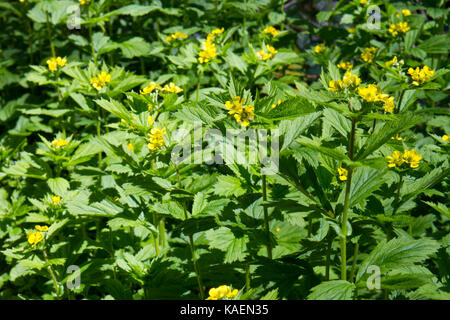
[263,55]
[56,200]
[150,120]
[392,62]
[172,88]
[445,138]
[420,76]
[350,80]
[343,173]
[130,146]
[319,48]
[217,31]
[156,138]
[59,143]
[209,50]
[41,228]
[222,292]
[402,27]
[404,12]
[277,104]
[362,1]
[351,30]
[369,93]
[270,30]
[345,65]
[241,113]
[34,238]
[368,54]
[335,85]
[53,63]
[397,137]
[395,160]
[149,89]
[83,2]
[412,158]
[277,229]
[100,81]
[176,36]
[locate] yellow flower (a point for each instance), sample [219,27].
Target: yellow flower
[445,137]
[217,31]
[41,228]
[149,89]
[391,62]
[208,52]
[395,160]
[176,36]
[277,104]
[172,88]
[149,106]
[270,30]
[156,138]
[345,65]
[100,81]
[412,158]
[335,85]
[56,200]
[53,63]
[403,27]
[420,76]
[59,143]
[222,292]
[150,120]
[368,54]
[130,146]
[263,55]
[83,2]
[351,30]
[389,105]
[34,238]
[370,93]
[343,173]
[404,12]
[277,229]
[350,80]
[397,137]
[319,48]
[362,1]
[241,113]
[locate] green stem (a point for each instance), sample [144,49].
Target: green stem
[397,195]
[355,258]
[49,32]
[247,277]
[191,243]
[328,260]
[397,110]
[266,216]
[55,282]
[344,228]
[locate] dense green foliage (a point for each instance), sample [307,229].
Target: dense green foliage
[98,96]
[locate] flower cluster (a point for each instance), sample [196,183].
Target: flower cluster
[149,89]
[345,65]
[59,143]
[172,88]
[319,48]
[156,138]
[176,36]
[241,113]
[368,54]
[270,30]
[53,63]
[420,76]
[372,93]
[209,47]
[348,81]
[100,81]
[263,55]
[343,173]
[222,292]
[411,158]
[395,29]
[35,237]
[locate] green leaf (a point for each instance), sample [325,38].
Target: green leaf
[224,239]
[289,109]
[332,290]
[135,47]
[227,186]
[58,186]
[398,252]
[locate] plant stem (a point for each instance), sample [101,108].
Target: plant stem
[328,260]
[397,195]
[247,277]
[397,110]
[49,31]
[344,228]
[355,257]
[266,216]
[55,282]
[191,242]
